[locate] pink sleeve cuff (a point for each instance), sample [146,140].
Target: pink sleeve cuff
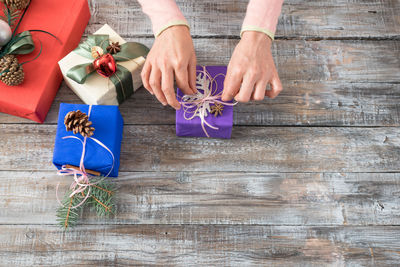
[163,14]
[262,16]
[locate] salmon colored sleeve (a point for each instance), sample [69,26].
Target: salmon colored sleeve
[163,14]
[262,16]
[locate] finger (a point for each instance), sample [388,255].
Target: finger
[168,88]
[259,91]
[192,74]
[145,74]
[232,84]
[182,80]
[246,90]
[276,87]
[155,83]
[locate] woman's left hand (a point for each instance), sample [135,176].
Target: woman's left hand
[251,69]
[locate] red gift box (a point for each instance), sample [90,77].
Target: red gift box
[65,19]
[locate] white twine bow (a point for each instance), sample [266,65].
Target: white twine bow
[198,105]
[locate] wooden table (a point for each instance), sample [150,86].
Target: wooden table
[311,178]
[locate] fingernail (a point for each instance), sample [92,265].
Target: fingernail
[164,103]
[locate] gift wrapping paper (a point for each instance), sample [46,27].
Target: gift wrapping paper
[67,20]
[108,124]
[98,90]
[193,127]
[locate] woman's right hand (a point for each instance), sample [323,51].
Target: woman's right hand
[172,55]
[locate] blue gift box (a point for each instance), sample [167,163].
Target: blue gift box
[108,124]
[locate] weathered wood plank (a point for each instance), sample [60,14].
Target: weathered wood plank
[217,198]
[327,60]
[300,18]
[301,103]
[326,83]
[261,149]
[263,198]
[200,245]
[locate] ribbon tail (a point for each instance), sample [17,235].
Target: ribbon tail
[123,83]
[21,44]
[204,129]
[209,125]
[108,150]
[202,113]
[48,33]
[57,196]
[83,201]
[131,50]
[80,73]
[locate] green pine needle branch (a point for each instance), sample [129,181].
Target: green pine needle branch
[101,200]
[67,216]
[11,16]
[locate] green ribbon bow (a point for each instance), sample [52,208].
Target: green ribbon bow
[122,78]
[22,44]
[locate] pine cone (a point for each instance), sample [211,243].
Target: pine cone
[16,4]
[14,73]
[78,122]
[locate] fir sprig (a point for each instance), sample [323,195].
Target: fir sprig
[10,15]
[67,215]
[101,200]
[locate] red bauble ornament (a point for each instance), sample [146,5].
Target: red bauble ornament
[105,65]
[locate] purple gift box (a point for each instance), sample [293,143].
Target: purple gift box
[194,127]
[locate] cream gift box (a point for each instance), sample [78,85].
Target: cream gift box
[96,89]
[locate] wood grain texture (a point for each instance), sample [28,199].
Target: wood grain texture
[301,104]
[217,198]
[183,245]
[328,83]
[293,195]
[327,60]
[251,149]
[299,18]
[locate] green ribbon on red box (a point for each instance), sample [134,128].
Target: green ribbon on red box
[19,43]
[122,78]
[22,44]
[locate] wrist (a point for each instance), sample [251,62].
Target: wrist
[252,28]
[174,26]
[256,37]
